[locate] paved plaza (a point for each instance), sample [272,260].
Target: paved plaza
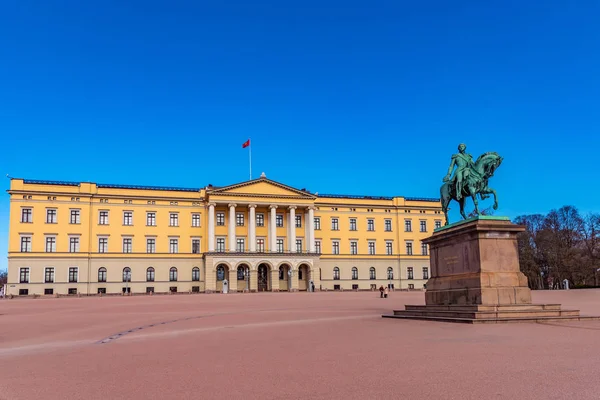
[288,346]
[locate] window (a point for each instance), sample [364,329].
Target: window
[50,244]
[220,219]
[260,245]
[150,274]
[150,219]
[149,289]
[318,246]
[370,225]
[23,292]
[26,215]
[103,218]
[411,286]
[336,274]
[280,245]
[424,249]
[72,291]
[173,245]
[334,224]
[352,224]
[239,219]
[317,223]
[298,245]
[241,273]
[240,245]
[423,226]
[407,225]
[195,274]
[298,221]
[388,248]
[126,274]
[127,245]
[438,224]
[354,273]
[25,244]
[335,247]
[73,245]
[388,225]
[102,245]
[49,275]
[390,273]
[220,244]
[195,289]
[220,273]
[279,220]
[371,248]
[354,287]
[48,291]
[75,217]
[410,273]
[372,273]
[195,220]
[127,217]
[173,274]
[425,273]
[73,272]
[336,287]
[102,274]
[173,219]
[195,246]
[300,274]
[260,219]
[281,273]
[24,275]
[409,248]
[150,246]
[353,248]
[50,216]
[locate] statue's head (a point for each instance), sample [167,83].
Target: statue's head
[462,147]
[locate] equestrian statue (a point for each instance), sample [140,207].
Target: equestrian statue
[469,180]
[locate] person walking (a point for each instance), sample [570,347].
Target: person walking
[381,292]
[385,292]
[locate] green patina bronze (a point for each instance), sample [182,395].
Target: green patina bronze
[469,180]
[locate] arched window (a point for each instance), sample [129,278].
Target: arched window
[150,274]
[354,273]
[390,272]
[173,274]
[372,274]
[336,274]
[195,274]
[126,274]
[240,273]
[300,273]
[102,274]
[281,273]
[220,273]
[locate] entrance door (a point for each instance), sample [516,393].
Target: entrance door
[263,278]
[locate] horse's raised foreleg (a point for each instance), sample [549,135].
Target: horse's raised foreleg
[488,190]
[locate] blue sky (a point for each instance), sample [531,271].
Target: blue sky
[338,97]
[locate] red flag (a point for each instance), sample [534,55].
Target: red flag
[246,144]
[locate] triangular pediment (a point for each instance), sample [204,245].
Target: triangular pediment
[261,187]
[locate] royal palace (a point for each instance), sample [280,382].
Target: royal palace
[259,235]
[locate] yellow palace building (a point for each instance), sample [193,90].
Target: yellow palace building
[259,235]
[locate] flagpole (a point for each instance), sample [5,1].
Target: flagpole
[250,156]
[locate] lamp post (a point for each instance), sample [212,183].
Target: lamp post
[247,272]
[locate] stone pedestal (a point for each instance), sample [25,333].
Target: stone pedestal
[475,277]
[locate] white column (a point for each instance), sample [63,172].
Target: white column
[311,229]
[272,229]
[252,227]
[211,226]
[292,230]
[231,228]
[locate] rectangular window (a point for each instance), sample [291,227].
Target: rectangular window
[409,249]
[49,275]
[370,225]
[438,224]
[50,216]
[279,220]
[424,249]
[24,275]
[150,219]
[240,245]
[102,245]
[411,286]
[410,273]
[260,245]
[355,287]
[280,245]
[127,245]
[298,221]
[407,225]
[221,244]
[150,246]
[298,245]
[352,224]
[103,218]
[73,274]
[317,222]
[423,226]
[334,224]
[388,225]
[388,248]
[260,219]
[75,217]
[239,219]
[173,246]
[128,218]
[196,246]
[195,220]
[26,215]
[318,246]
[173,219]
[50,244]
[73,245]
[425,273]
[25,244]
[220,219]
[353,248]
[335,247]
[371,248]
[48,291]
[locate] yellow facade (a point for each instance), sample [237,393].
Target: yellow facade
[87,238]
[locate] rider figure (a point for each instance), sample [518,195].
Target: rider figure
[464,163]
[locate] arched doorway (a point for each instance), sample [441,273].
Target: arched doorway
[284,277]
[243,277]
[222,274]
[264,283]
[303,277]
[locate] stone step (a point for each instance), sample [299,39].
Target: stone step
[479,307]
[496,320]
[489,314]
